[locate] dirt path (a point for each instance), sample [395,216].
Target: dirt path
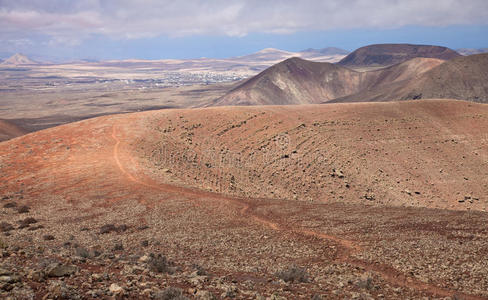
[347,248]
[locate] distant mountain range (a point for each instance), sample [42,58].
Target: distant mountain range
[264,55]
[297,81]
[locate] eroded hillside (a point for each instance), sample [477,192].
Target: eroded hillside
[429,154]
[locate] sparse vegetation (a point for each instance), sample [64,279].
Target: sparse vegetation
[82,252]
[48,237]
[32,228]
[170,293]
[107,228]
[160,264]
[26,222]
[10,205]
[118,247]
[5,226]
[23,209]
[293,274]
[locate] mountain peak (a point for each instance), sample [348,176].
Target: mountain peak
[18,59]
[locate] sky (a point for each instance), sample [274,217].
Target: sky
[61,30]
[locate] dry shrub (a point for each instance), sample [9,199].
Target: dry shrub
[293,274]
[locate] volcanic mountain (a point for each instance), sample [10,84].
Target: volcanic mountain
[293,81]
[298,81]
[464,77]
[18,59]
[382,55]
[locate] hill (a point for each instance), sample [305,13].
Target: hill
[293,81]
[381,55]
[18,59]
[298,81]
[9,131]
[237,201]
[464,77]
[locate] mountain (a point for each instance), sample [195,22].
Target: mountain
[298,81]
[470,51]
[382,55]
[464,78]
[18,59]
[293,81]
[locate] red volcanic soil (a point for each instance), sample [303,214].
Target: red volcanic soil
[374,200]
[9,131]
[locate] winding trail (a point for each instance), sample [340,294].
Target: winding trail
[347,248]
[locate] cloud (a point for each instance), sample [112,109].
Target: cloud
[71,21]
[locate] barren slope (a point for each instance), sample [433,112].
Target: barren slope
[293,81]
[464,78]
[327,172]
[9,131]
[382,55]
[298,81]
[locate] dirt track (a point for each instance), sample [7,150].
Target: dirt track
[99,171]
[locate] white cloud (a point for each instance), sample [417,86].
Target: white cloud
[74,20]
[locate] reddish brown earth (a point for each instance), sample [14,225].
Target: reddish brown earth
[375,200]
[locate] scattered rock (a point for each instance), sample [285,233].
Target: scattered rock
[170,293]
[9,278]
[115,288]
[58,270]
[204,295]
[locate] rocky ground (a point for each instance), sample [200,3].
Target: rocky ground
[88,211]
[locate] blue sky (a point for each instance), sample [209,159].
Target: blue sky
[150,29]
